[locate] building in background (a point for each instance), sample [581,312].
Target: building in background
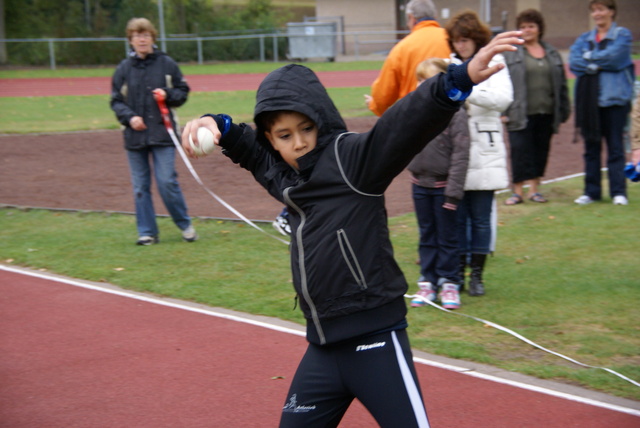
[565,19]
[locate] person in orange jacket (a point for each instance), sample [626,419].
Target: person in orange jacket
[397,77]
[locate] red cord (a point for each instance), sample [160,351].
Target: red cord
[164,111]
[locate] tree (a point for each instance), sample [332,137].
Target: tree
[3,45]
[42,19]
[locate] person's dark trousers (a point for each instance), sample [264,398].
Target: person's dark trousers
[530,148]
[613,120]
[438,246]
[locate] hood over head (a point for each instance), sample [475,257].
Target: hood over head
[297,88]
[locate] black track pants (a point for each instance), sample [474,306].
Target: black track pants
[378,370]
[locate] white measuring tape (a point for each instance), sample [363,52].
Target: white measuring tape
[164,112]
[489,323]
[519,336]
[195,175]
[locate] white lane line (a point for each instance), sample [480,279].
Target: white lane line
[153,299]
[547,391]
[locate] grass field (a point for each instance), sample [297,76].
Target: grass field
[92,112]
[188,69]
[564,276]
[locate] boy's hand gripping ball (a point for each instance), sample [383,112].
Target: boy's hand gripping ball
[205,142]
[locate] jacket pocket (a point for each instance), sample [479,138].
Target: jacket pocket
[135,140]
[350,258]
[616,88]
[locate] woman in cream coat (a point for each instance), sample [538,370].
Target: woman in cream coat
[487,170]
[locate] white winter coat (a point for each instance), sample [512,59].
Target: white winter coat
[488,155]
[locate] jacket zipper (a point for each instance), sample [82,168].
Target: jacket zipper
[304,286]
[347,250]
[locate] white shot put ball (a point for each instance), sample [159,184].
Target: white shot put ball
[205,142]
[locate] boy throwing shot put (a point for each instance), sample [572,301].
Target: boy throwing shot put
[348,284]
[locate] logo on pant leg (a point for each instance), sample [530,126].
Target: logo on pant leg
[292,406]
[370,346]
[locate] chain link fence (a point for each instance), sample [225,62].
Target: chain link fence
[54,52]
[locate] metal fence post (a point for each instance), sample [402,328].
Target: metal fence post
[261,48]
[356,47]
[275,47]
[199,42]
[52,55]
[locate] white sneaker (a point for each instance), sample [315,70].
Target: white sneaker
[425,293]
[583,200]
[147,240]
[620,200]
[281,224]
[189,234]
[450,296]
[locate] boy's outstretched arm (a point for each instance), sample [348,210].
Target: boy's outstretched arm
[478,67]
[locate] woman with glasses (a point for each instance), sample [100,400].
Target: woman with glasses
[148,71]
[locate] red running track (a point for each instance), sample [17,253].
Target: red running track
[62,86]
[199,83]
[72,356]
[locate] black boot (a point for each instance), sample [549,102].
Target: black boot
[476,286]
[463,266]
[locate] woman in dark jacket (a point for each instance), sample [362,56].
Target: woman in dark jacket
[540,104]
[137,78]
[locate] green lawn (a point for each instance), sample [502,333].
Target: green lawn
[188,69]
[92,112]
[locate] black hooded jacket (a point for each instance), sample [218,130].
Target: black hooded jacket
[344,272]
[131,95]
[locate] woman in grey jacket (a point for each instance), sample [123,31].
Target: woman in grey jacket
[540,105]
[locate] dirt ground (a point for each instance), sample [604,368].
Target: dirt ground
[89,171]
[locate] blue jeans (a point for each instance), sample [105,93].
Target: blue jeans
[167,183]
[474,222]
[612,121]
[438,246]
